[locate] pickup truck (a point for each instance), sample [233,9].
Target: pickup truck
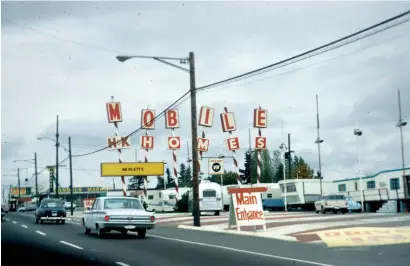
[331,202]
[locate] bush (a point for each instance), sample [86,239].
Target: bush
[182,204]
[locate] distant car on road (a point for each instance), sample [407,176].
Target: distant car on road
[331,202]
[51,210]
[121,214]
[28,208]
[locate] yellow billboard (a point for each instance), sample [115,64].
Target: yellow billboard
[132,169]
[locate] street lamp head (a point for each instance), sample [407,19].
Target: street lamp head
[123,58]
[357,132]
[401,123]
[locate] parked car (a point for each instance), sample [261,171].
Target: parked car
[331,202]
[352,205]
[51,210]
[4,211]
[67,205]
[28,208]
[121,214]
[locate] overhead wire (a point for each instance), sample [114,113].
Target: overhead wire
[45,168]
[175,104]
[313,52]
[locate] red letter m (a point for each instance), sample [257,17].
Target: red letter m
[114,112]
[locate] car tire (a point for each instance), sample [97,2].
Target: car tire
[36,219]
[142,233]
[87,231]
[216,213]
[124,232]
[323,210]
[100,232]
[41,221]
[62,221]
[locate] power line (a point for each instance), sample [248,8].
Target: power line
[175,104]
[311,53]
[314,64]
[45,168]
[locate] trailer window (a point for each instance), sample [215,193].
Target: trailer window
[336,197]
[342,187]
[150,197]
[291,188]
[269,196]
[371,184]
[209,193]
[394,184]
[172,196]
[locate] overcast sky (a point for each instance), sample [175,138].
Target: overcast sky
[59,59]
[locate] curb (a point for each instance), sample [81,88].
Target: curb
[221,231]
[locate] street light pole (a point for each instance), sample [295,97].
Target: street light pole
[358,133]
[35,172]
[401,124]
[194,129]
[57,144]
[71,174]
[18,181]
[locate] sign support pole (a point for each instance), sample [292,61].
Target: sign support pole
[71,175]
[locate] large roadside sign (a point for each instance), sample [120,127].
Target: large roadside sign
[245,208]
[132,169]
[216,166]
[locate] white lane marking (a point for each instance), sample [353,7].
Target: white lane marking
[6,219]
[241,251]
[71,245]
[122,263]
[41,233]
[14,222]
[25,226]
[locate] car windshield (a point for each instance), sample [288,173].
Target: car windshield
[51,204]
[122,204]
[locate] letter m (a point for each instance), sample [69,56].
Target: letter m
[114,112]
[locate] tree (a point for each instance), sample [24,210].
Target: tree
[170,182]
[267,169]
[136,182]
[188,177]
[300,169]
[246,172]
[182,181]
[160,182]
[277,166]
[229,178]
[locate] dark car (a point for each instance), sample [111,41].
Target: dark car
[50,210]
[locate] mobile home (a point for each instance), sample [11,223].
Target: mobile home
[166,200]
[302,193]
[382,192]
[210,198]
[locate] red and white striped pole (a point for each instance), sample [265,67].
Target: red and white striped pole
[175,165]
[201,153]
[120,155]
[235,162]
[146,178]
[258,169]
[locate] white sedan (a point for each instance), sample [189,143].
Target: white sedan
[120,214]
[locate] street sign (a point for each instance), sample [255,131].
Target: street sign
[216,166]
[132,169]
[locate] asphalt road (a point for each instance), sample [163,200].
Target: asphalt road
[25,241]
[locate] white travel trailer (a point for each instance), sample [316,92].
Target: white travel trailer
[302,193]
[166,200]
[382,192]
[210,198]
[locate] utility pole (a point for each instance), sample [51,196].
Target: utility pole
[318,141]
[57,145]
[289,159]
[18,181]
[35,172]
[401,124]
[71,174]
[194,129]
